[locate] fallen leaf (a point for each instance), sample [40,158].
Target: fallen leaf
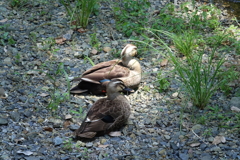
[164,63]
[219,139]
[49,129]
[27,153]
[103,146]
[236,109]
[60,40]
[66,124]
[32,72]
[44,94]
[115,134]
[3,20]
[195,144]
[81,30]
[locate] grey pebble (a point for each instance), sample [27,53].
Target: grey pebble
[3,121]
[15,116]
[57,141]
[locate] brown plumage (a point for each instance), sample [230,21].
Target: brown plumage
[127,69]
[106,114]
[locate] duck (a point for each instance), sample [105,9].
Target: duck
[106,114]
[96,78]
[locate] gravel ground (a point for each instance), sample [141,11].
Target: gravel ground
[158,127]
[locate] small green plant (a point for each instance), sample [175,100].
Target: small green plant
[18,3]
[5,37]
[146,88]
[17,57]
[79,112]
[163,82]
[207,132]
[48,43]
[201,79]
[57,96]
[131,16]
[68,144]
[86,58]
[95,43]
[80,11]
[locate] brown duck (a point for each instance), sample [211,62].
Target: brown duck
[106,114]
[127,69]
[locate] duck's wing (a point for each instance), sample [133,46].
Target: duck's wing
[100,117]
[107,70]
[102,71]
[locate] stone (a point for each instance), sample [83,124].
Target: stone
[3,121]
[68,116]
[74,127]
[167,137]
[175,95]
[206,156]
[174,146]
[183,156]
[102,141]
[7,61]
[57,141]
[162,152]
[235,101]
[107,49]
[15,116]
[89,144]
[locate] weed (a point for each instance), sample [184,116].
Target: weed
[17,57]
[163,82]
[146,88]
[68,144]
[17,3]
[80,11]
[95,43]
[89,59]
[201,79]
[56,96]
[79,112]
[48,43]
[131,16]
[207,132]
[5,37]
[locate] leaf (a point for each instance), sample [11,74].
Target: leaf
[60,40]
[115,134]
[32,72]
[236,109]
[164,63]
[44,94]
[195,144]
[66,124]
[3,20]
[103,146]
[81,30]
[219,139]
[49,129]
[27,153]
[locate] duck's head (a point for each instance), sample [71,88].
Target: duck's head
[117,85]
[129,50]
